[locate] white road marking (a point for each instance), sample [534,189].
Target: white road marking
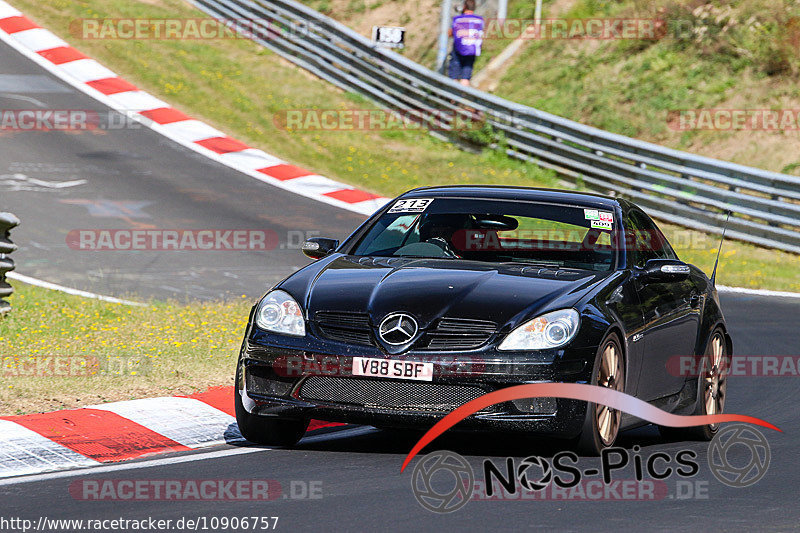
[75,292]
[17,181]
[24,98]
[758,292]
[56,184]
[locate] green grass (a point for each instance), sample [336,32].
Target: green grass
[747,57]
[60,351]
[239,87]
[740,265]
[517,9]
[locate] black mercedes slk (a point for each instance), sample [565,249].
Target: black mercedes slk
[449,293]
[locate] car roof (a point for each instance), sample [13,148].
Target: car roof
[497,192]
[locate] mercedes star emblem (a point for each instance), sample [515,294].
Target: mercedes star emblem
[398,328]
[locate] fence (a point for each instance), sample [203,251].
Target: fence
[7,222]
[687,189]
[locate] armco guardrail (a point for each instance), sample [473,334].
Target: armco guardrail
[7,222]
[687,189]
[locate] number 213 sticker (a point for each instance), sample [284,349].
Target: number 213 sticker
[413,205]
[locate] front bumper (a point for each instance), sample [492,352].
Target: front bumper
[287,378]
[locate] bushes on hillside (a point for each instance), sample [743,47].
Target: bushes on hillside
[764,35]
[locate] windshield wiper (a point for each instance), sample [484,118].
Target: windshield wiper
[533,263]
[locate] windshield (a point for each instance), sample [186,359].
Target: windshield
[494,231]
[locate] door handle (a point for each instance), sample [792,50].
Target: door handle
[694,300]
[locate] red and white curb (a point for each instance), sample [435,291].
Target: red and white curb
[90,77]
[119,431]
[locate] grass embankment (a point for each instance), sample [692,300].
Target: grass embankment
[59,351]
[239,87]
[743,54]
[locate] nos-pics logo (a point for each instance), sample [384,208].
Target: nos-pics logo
[443,481]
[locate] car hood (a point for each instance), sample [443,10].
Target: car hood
[429,289]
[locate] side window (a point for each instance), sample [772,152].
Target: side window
[649,242]
[632,246]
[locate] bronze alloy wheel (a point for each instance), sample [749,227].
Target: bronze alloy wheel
[711,391]
[714,376]
[601,424]
[612,375]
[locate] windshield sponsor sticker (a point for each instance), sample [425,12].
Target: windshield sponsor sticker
[412,205]
[601,224]
[594,214]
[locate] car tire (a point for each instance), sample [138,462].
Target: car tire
[263,430]
[601,424]
[711,388]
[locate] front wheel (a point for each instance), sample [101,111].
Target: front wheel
[601,425]
[266,431]
[712,386]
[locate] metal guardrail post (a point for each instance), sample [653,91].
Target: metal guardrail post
[7,222]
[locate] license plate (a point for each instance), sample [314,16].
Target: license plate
[387,368]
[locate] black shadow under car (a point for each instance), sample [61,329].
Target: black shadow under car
[448,293]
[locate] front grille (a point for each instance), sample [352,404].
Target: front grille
[387,394]
[447,334]
[346,327]
[460,334]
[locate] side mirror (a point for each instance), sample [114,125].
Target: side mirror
[665,270]
[319,247]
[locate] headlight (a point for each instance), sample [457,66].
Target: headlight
[550,330]
[279,313]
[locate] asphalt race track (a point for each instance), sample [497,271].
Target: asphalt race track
[135,178]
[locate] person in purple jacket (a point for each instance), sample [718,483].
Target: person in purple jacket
[467,34]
